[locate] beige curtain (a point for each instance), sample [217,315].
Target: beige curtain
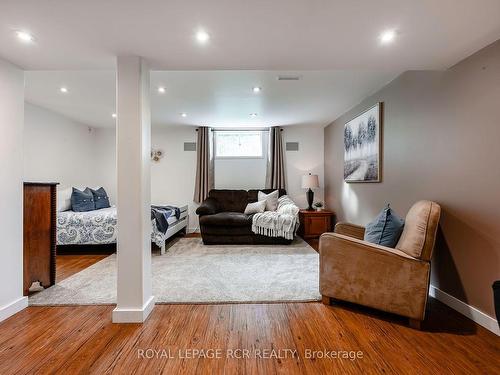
[204,164]
[275,176]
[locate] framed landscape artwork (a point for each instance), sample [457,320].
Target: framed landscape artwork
[362,141]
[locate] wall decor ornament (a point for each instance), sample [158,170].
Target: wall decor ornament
[156,155]
[362,146]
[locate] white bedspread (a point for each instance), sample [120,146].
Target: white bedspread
[283,222]
[94,227]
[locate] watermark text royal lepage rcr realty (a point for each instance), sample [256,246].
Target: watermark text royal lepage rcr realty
[240,353]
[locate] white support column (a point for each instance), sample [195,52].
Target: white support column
[133,147]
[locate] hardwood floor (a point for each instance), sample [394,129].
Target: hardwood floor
[67,265]
[314,243]
[82,340]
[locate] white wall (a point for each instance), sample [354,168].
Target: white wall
[309,159]
[242,173]
[58,149]
[251,173]
[172,179]
[11,189]
[105,156]
[62,150]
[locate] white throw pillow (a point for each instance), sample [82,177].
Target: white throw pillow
[64,199]
[271,200]
[256,207]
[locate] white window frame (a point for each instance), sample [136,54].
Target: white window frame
[262,139]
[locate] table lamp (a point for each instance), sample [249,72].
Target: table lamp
[310,182]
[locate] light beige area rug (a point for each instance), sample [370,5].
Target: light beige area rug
[191,272]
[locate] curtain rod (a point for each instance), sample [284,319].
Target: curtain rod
[241,130]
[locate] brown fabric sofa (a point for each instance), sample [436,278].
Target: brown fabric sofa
[222,218]
[394,280]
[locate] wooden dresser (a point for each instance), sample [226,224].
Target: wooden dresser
[39,253]
[314,223]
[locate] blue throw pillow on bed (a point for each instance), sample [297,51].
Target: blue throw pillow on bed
[101,198]
[386,229]
[82,201]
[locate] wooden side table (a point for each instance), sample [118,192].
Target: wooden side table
[314,223]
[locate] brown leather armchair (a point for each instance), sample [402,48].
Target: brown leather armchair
[394,280]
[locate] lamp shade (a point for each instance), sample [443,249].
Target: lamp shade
[310,181]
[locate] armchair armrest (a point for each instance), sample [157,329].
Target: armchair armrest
[369,249]
[372,275]
[351,230]
[207,207]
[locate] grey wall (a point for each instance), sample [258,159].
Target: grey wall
[441,141]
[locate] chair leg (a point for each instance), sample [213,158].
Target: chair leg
[415,324]
[326,300]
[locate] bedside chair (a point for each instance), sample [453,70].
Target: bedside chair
[393,280]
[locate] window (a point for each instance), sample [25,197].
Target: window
[238,144]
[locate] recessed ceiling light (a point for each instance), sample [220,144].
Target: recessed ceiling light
[253,114]
[387,36]
[183,114]
[63,89]
[113,115]
[24,36]
[202,36]
[257,89]
[161,90]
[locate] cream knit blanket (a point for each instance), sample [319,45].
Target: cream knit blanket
[283,222]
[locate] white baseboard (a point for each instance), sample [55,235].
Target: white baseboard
[134,315]
[194,230]
[470,312]
[13,308]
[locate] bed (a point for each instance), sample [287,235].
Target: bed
[99,227]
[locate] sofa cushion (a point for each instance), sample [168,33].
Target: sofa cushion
[207,207]
[253,193]
[271,200]
[232,219]
[255,207]
[386,229]
[230,200]
[227,231]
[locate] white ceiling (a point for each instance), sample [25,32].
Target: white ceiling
[247,34]
[213,98]
[90,98]
[333,43]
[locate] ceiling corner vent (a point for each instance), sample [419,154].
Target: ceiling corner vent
[288,78]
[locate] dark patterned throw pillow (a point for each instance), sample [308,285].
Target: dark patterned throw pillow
[101,198]
[82,201]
